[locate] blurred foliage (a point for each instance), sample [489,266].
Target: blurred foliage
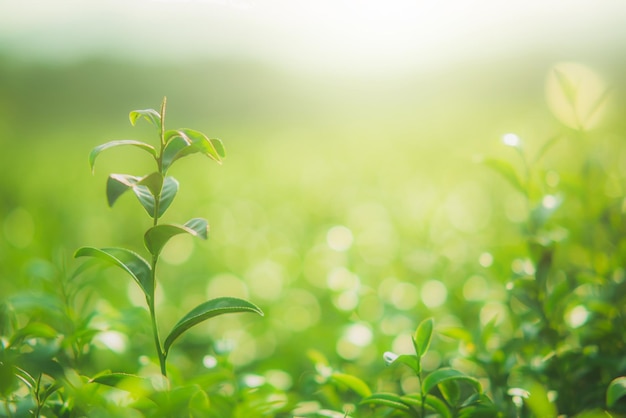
[349,210]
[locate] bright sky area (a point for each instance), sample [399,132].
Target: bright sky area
[323,35]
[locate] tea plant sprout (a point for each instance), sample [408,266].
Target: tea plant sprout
[155,193]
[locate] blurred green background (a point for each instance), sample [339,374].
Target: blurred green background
[352,203]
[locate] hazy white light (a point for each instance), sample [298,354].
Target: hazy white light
[339,238]
[485,260]
[549,202]
[113,340]
[434,293]
[209,361]
[359,334]
[404,296]
[253,380]
[577,316]
[511,140]
[475,288]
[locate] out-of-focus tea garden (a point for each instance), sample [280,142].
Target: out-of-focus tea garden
[484,199]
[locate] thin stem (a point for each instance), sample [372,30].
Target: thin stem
[155,257]
[157,340]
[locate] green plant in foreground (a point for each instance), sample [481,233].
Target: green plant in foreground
[459,394]
[155,193]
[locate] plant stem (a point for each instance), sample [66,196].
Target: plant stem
[157,340]
[155,257]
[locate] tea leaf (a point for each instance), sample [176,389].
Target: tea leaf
[386,399]
[423,336]
[450,391]
[615,391]
[353,383]
[156,237]
[188,141]
[132,263]
[144,188]
[219,147]
[170,188]
[445,374]
[117,184]
[97,150]
[154,183]
[407,359]
[206,311]
[150,115]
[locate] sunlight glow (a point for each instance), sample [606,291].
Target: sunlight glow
[577,317]
[434,293]
[113,340]
[511,140]
[339,238]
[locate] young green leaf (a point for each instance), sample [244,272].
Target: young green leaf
[450,391]
[615,391]
[423,336]
[407,359]
[154,183]
[150,115]
[353,382]
[168,192]
[117,184]
[97,150]
[206,311]
[132,263]
[188,141]
[386,399]
[144,189]
[219,147]
[444,374]
[156,237]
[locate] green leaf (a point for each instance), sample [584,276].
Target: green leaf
[450,391]
[219,147]
[156,237]
[132,263]
[145,189]
[506,170]
[150,115]
[97,150]
[386,399]
[184,142]
[445,374]
[154,183]
[407,359]
[353,382]
[140,387]
[117,184]
[170,188]
[206,311]
[33,330]
[423,336]
[615,391]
